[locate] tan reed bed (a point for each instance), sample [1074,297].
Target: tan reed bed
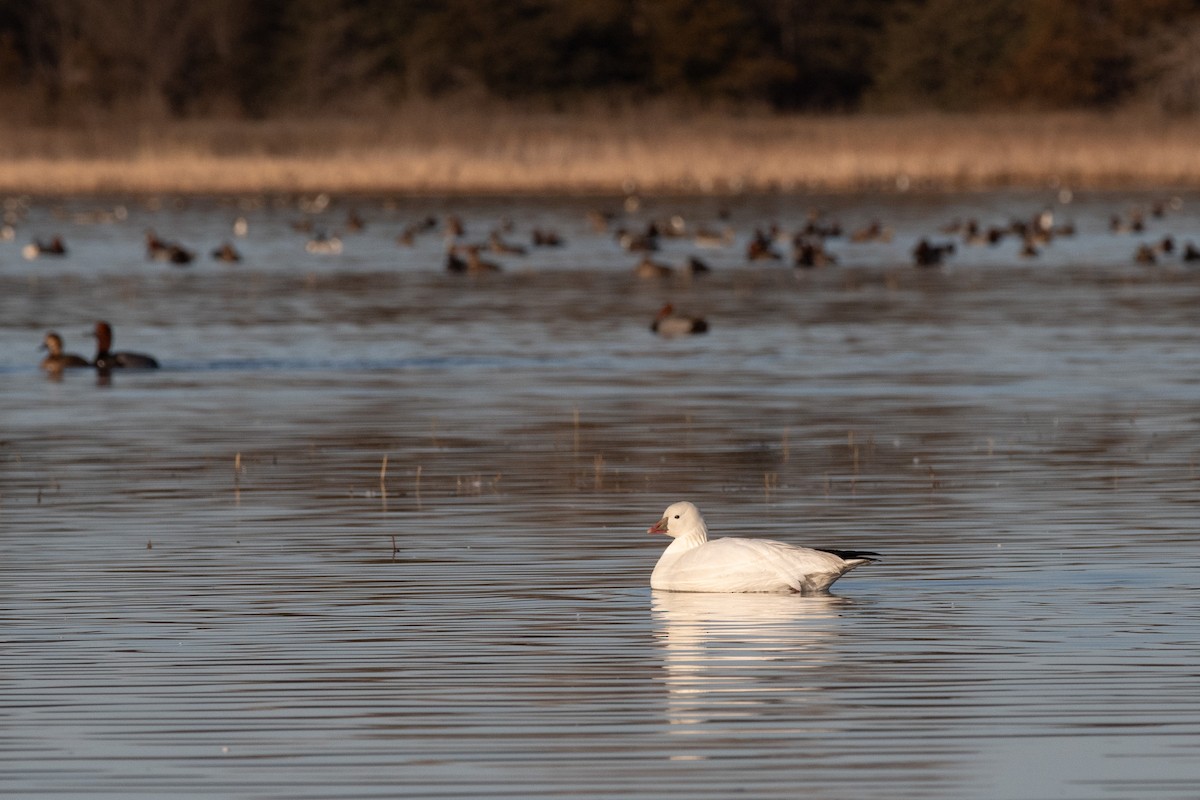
[438,151]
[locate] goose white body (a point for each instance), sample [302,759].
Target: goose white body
[694,563]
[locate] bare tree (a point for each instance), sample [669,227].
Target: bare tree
[127,54]
[1169,68]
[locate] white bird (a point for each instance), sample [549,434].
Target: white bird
[692,563]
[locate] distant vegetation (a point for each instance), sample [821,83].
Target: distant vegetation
[62,61]
[596,95]
[651,150]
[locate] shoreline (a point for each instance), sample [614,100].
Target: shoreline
[652,153]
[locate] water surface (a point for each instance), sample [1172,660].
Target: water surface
[213,585]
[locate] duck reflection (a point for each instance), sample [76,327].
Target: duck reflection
[733,657]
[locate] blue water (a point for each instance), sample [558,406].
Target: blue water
[213,585]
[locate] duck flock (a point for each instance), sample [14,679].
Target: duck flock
[105,359]
[820,241]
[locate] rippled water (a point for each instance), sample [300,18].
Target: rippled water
[375,530]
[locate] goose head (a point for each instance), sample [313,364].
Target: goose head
[680,519]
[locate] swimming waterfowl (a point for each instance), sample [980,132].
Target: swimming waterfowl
[106,359]
[323,245]
[472,263]
[972,234]
[673,227]
[1135,224]
[761,247]
[455,262]
[953,227]
[170,252]
[817,225]
[694,563]
[37,247]
[926,254]
[545,238]
[599,220]
[100,216]
[707,237]
[645,242]
[497,244]
[669,324]
[408,236]
[874,231]
[477,264]
[810,254]
[314,205]
[56,359]
[649,269]
[227,253]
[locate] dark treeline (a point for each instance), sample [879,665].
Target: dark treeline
[254,58]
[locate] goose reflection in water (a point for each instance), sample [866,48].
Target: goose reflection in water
[737,657]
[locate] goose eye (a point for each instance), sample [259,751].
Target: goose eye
[676,516]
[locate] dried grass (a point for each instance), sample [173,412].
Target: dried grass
[442,150]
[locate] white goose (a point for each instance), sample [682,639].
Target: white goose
[692,563]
